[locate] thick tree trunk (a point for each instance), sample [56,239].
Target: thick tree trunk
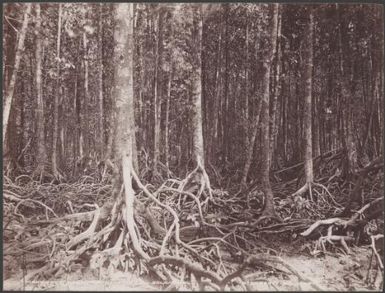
[269,210]
[124,97]
[123,81]
[12,83]
[56,98]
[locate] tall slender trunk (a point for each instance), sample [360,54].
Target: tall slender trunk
[11,87]
[251,132]
[216,110]
[56,98]
[345,81]
[265,116]
[86,134]
[41,151]
[316,131]
[158,88]
[277,89]
[250,144]
[166,134]
[225,109]
[285,113]
[308,102]
[246,113]
[198,147]
[100,81]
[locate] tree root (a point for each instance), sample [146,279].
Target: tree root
[88,233]
[200,175]
[373,239]
[303,189]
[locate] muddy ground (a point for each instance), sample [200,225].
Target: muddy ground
[333,271]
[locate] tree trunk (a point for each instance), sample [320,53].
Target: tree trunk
[308,102]
[345,80]
[124,97]
[12,83]
[277,88]
[158,88]
[41,151]
[250,145]
[253,129]
[216,110]
[56,99]
[198,149]
[167,118]
[86,132]
[316,132]
[269,210]
[225,108]
[100,81]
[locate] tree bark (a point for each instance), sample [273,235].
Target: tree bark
[41,150]
[86,129]
[308,102]
[56,98]
[277,88]
[251,131]
[158,87]
[12,83]
[124,99]
[216,110]
[265,116]
[197,87]
[123,81]
[345,79]
[100,81]
[250,145]
[167,118]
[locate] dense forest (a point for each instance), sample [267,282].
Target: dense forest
[183,140]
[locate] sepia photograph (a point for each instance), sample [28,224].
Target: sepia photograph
[192,146]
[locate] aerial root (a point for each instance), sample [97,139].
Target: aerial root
[203,178]
[307,186]
[343,223]
[88,233]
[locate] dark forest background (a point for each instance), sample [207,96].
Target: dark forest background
[72,102]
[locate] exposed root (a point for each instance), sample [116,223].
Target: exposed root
[88,233]
[195,243]
[39,172]
[303,189]
[128,216]
[331,221]
[198,175]
[373,239]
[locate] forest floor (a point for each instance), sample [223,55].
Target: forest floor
[332,272]
[57,236]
